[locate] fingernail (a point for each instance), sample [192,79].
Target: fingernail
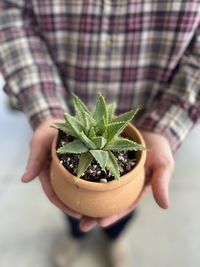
[74,215]
[27,177]
[86,225]
[24,178]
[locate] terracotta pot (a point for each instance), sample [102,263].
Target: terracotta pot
[99,199]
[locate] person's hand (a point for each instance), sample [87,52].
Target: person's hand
[159,167]
[39,163]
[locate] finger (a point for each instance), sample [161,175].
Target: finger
[160,184]
[87,223]
[46,185]
[106,221]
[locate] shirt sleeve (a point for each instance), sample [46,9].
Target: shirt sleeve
[176,109]
[31,77]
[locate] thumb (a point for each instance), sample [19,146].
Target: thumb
[37,158]
[40,148]
[160,186]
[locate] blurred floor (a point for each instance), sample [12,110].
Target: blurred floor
[30,225]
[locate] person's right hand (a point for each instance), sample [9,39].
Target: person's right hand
[39,163]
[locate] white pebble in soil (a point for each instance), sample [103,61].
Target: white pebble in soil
[103,180]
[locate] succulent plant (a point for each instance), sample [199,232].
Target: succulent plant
[96,134]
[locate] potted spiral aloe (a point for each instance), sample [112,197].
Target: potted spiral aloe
[97,159]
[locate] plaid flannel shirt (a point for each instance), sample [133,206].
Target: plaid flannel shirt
[139,53]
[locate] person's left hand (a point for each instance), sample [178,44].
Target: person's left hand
[158,167]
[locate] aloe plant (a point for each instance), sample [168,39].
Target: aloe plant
[96,134]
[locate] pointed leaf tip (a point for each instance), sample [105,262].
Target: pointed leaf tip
[101,157]
[128,116]
[75,147]
[84,162]
[100,110]
[112,165]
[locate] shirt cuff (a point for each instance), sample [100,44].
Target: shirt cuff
[172,122]
[39,107]
[51,113]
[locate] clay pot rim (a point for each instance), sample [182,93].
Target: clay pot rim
[96,186]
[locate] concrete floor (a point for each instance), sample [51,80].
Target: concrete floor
[30,225]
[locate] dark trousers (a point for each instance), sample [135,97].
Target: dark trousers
[111,232]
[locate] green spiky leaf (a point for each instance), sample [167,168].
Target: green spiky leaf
[89,122]
[101,157]
[114,129]
[99,141]
[75,146]
[87,141]
[100,110]
[65,128]
[128,116]
[121,144]
[111,108]
[112,165]
[84,162]
[74,124]
[80,107]
[100,128]
[92,133]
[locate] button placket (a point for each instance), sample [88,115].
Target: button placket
[107,10]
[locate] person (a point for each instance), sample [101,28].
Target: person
[138,53]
